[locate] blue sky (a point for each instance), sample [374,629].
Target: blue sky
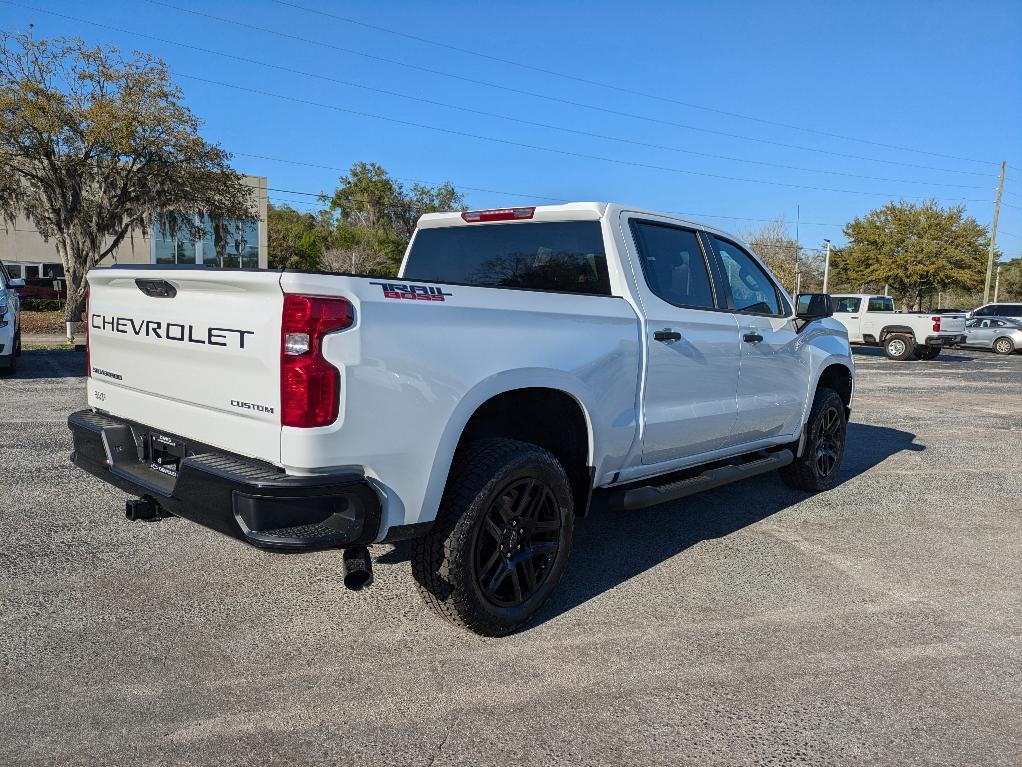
[925,99]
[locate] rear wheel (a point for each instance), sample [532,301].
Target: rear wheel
[501,537]
[926,352]
[817,467]
[898,347]
[1004,346]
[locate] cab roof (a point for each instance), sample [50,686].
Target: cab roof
[569,211]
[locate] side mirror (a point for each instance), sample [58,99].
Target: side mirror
[813,306]
[16,282]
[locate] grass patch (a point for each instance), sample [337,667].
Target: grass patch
[47,323]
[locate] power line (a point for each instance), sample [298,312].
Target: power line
[536,147]
[549,126]
[534,94]
[621,89]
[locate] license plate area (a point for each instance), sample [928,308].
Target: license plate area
[165,454]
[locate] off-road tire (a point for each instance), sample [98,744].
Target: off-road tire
[926,352]
[898,347]
[1003,345]
[444,562]
[805,472]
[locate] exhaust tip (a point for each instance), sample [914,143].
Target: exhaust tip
[358,568]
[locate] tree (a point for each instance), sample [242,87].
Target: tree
[296,240]
[778,251]
[913,249]
[96,147]
[375,216]
[1011,280]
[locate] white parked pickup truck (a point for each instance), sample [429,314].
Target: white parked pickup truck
[871,320]
[526,365]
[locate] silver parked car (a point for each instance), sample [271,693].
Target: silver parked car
[1001,334]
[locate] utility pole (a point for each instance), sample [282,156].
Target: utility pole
[798,215]
[993,236]
[997,283]
[826,267]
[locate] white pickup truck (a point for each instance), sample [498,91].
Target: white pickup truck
[871,320]
[526,365]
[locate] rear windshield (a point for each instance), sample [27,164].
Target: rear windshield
[566,257]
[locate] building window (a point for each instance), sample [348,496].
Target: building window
[241,249]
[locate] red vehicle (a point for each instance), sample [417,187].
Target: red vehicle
[43,287]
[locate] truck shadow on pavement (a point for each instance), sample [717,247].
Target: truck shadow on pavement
[50,363]
[610,548]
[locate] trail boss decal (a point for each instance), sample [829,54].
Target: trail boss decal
[171,331]
[411,292]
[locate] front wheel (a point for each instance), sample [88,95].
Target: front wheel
[926,352]
[817,467]
[501,537]
[1004,346]
[17,343]
[898,347]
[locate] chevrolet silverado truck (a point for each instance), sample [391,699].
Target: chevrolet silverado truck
[527,365]
[872,321]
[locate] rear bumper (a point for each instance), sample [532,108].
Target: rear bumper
[945,340]
[245,499]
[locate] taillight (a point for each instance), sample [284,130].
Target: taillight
[936,323]
[310,387]
[500,214]
[88,348]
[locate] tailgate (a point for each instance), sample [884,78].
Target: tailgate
[952,323]
[193,352]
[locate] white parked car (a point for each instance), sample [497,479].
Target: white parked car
[527,364]
[871,320]
[10,322]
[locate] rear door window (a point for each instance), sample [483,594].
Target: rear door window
[1009,310]
[562,256]
[879,304]
[674,265]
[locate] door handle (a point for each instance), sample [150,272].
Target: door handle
[853,316]
[666,335]
[752,338]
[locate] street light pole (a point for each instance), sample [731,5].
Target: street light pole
[826,267]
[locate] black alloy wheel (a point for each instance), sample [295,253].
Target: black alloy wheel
[829,443]
[817,468]
[517,543]
[501,538]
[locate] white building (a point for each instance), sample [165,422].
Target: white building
[25,253]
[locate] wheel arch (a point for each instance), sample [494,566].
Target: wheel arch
[535,407]
[839,377]
[889,330]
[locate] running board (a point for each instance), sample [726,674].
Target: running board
[651,495]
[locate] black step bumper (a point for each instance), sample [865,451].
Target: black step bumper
[945,340]
[245,499]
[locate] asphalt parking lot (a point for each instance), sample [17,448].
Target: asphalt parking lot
[878,623]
